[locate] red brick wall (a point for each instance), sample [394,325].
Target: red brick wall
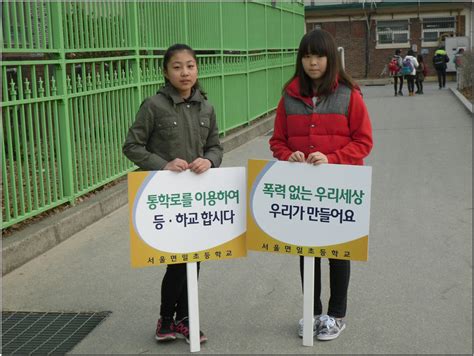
[352,36]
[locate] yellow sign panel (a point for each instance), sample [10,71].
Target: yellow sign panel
[301,209]
[184,217]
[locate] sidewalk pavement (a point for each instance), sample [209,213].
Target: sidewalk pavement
[414,295]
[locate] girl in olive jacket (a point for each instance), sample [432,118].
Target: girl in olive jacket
[175,130]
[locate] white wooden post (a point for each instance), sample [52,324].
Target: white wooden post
[193,306]
[308,301]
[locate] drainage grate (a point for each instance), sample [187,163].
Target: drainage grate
[45,333]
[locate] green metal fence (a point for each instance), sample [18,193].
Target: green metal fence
[74,74]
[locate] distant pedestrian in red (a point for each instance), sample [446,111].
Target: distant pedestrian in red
[395,70]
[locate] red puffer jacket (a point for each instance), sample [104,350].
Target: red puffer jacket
[338,126]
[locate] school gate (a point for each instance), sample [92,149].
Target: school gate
[74,74]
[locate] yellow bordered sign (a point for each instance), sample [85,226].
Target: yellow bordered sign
[184,217]
[298,208]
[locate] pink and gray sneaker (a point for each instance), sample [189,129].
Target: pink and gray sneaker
[165,329]
[182,330]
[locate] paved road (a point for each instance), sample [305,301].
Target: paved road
[414,295]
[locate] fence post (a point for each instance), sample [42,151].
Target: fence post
[63,112]
[185,11]
[247,59]
[221,25]
[281,45]
[266,55]
[136,45]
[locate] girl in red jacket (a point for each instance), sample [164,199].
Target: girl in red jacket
[321,118]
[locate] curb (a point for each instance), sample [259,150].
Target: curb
[389,81]
[468,105]
[37,238]
[374,82]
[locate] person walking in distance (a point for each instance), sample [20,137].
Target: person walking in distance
[409,66]
[394,67]
[458,63]
[440,59]
[420,74]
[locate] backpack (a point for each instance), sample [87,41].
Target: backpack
[439,61]
[393,66]
[407,67]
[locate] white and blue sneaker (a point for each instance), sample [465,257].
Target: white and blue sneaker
[330,328]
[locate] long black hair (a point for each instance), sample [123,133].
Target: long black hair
[321,43]
[170,53]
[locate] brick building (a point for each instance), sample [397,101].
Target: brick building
[370,31]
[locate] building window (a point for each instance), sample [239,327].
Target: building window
[393,33]
[435,29]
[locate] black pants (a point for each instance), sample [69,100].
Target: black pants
[419,86]
[174,291]
[339,274]
[441,77]
[395,81]
[410,83]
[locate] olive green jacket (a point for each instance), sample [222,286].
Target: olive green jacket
[168,127]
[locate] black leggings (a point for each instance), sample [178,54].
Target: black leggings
[419,85]
[411,83]
[441,77]
[339,274]
[174,291]
[395,80]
